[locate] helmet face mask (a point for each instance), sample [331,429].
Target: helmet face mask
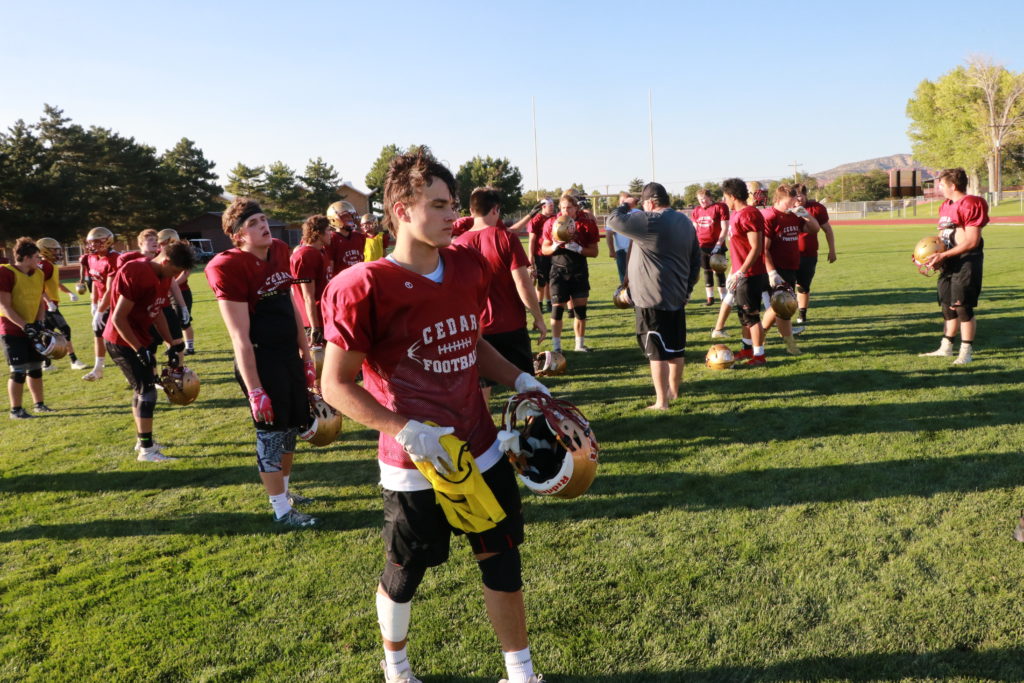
[549,363]
[621,298]
[336,215]
[99,240]
[51,249]
[52,344]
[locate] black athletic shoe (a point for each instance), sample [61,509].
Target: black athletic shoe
[43,408]
[19,414]
[190,352]
[709,302]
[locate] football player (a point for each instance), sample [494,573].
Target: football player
[961,218]
[99,263]
[182,299]
[809,251]
[377,240]
[346,245]
[782,252]
[711,219]
[252,283]
[539,263]
[570,274]
[749,278]
[22,310]
[503,320]
[138,294]
[52,254]
[411,321]
[309,268]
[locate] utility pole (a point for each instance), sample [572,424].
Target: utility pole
[650,122]
[536,164]
[795,166]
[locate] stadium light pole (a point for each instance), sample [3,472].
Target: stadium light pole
[536,163]
[650,125]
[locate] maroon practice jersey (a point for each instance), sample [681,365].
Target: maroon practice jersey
[137,282]
[783,229]
[308,263]
[968,210]
[504,253]
[420,340]
[708,222]
[808,240]
[746,220]
[345,252]
[100,267]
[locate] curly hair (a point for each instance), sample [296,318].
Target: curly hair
[735,188]
[407,176]
[313,227]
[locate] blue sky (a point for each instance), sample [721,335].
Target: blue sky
[738,89]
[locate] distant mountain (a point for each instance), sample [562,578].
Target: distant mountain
[880,163]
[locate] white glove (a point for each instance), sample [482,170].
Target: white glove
[730,283]
[97,320]
[527,382]
[800,211]
[92,308]
[717,248]
[73,297]
[574,246]
[423,444]
[51,307]
[508,441]
[186,317]
[775,279]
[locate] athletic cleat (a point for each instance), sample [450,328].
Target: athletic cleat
[798,329]
[49,368]
[139,447]
[709,302]
[97,373]
[719,334]
[744,353]
[190,352]
[297,499]
[583,348]
[19,414]
[754,362]
[403,677]
[945,349]
[800,320]
[532,679]
[964,357]
[78,365]
[152,454]
[43,408]
[300,520]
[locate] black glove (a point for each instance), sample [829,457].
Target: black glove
[316,336]
[536,209]
[33,330]
[146,358]
[174,355]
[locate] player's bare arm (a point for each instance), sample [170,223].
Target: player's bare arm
[527,294]
[236,318]
[341,390]
[119,319]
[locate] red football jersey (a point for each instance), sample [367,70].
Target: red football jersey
[748,219]
[809,241]
[345,252]
[504,253]
[308,263]
[708,222]
[968,210]
[420,340]
[536,227]
[784,230]
[137,282]
[99,267]
[461,225]
[127,257]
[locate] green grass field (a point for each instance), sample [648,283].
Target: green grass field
[844,515]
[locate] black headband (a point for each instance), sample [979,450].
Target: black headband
[246,215]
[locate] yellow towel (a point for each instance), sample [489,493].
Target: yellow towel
[465,497]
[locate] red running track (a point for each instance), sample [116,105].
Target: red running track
[925,220]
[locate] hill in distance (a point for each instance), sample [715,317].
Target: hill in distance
[877,164]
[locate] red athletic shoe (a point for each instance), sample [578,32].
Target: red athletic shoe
[755,362]
[745,353]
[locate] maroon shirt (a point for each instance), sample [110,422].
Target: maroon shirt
[809,241]
[746,220]
[708,222]
[137,282]
[783,229]
[504,253]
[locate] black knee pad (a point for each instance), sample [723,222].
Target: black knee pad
[800,289]
[18,376]
[503,572]
[147,401]
[581,312]
[36,373]
[964,314]
[748,319]
[400,583]
[66,331]
[557,312]
[948,313]
[709,277]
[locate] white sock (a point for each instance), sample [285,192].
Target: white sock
[519,666]
[396,662]
[556,343]
[286,477]
[280,504]
[579,342]
[190,343]
[709,292]
[721,293]
[747,342]
[758,350]
[100,360]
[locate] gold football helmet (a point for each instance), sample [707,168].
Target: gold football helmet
[925,249]
[181,385]
[51,249]
[549,363]
[338,209]
[719,357]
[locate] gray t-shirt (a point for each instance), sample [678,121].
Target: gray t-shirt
[664,263]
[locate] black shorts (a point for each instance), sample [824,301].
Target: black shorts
[790,276]
[748,298]
[139,377]
[542,264]
[21,353]
[55,321]
[514,347]
[417,534]
[661,334]
[173,319]
[808,264]
[705,263]
[961,283]
[283,377]
[568,284]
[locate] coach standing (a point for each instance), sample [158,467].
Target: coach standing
[663,268]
